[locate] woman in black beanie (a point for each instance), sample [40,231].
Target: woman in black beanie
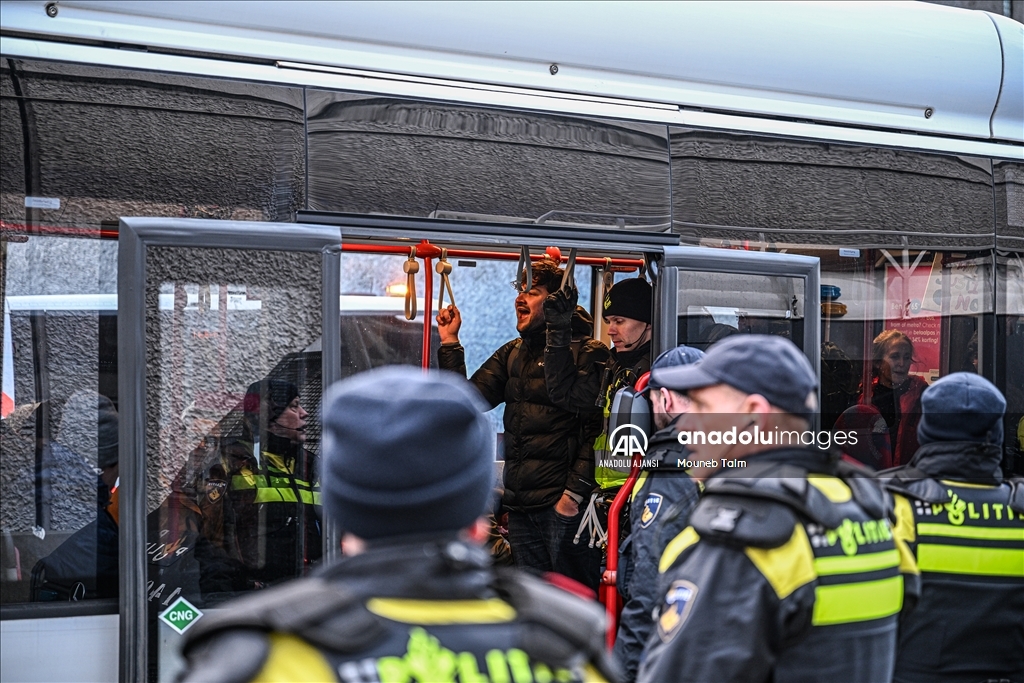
[275,493]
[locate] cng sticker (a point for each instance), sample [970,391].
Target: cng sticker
[181,615]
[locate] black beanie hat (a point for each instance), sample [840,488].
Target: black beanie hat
[630,299]
[962,407]
[273,395]
[406,452]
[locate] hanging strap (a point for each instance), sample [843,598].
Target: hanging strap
[524,271]
[444,269]
[569,274]
[411,267]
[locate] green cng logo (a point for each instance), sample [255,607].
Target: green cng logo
[181,615]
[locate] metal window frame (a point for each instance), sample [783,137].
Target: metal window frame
[714,260]
[135,236]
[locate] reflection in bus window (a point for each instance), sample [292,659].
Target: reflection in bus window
[1009,189]
[905,244]
[59,432]
[377,155]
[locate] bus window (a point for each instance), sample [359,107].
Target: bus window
[58,490]
[905,241]
[1009,186]
[374,327]
[714,306]
[376,155]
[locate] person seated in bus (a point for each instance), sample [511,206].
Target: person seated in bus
[895,392]
[85,566]
[275,490]
[659,509]
[549,380]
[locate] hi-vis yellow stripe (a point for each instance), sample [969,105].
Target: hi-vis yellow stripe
[293,660]
[851,602]
[869,562]
[676,546]
[639,484]
[986,533]
[958,559]
[439,612]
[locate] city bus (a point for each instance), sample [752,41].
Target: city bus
[195,197]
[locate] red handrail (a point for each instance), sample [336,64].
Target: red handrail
[68,230]
[625,264]
[609,588]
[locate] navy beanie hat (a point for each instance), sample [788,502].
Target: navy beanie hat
[679,355]
[962,407]
[406,452]
[630,298]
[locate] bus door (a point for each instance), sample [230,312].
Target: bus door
[709,294]
[225,340]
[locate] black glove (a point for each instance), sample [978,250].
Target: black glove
[559,307]
[558,310]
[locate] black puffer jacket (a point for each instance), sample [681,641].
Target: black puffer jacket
[549,429]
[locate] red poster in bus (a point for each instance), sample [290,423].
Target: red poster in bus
[913,306]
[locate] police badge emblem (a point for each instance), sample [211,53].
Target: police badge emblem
[215,489]
[678,603]
[651,507]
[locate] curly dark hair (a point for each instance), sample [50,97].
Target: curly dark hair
[546,274]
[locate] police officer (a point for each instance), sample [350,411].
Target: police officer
[788,570]
[660,506]
[627,317]
[275,494]
[409,466]
[965,524]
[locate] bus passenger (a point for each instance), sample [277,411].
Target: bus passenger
[660,506]
[895,392]
[548,379]
[627,313]
[409,465]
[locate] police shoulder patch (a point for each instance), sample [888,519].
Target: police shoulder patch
[678,604]
[651,507]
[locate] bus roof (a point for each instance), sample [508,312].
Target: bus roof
[902,66]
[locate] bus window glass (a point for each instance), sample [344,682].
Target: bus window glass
[713,306]
[374,327]
[233,394]
[376,155]
[59,430]
[1009,186]
[105,143]
[905,243]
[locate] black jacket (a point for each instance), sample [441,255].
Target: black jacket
[626,367]
[788,572]
[551,418]
[432,610]
[660,507]
[965,525]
